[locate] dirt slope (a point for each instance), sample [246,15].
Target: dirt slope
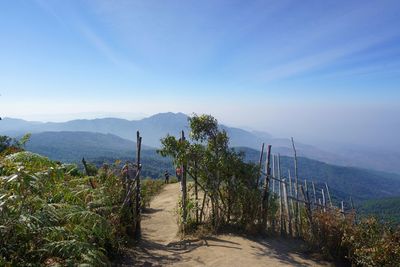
[160,245]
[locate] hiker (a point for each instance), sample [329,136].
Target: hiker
[178,173]
[166,174]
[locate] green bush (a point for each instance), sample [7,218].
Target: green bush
[52,214]
[365,243]
[372,243]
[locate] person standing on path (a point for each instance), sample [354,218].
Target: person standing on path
[166,174]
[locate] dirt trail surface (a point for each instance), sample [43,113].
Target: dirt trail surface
[161,245]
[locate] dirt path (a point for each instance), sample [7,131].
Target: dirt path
[161,246]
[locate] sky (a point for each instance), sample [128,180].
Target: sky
[318,70]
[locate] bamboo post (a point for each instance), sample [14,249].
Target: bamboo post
[342,209]
[297,210]
[288,215]
[259,165]
[291,193]
[290,183]
[273,173]
[183,186]
[266,187]
[282,223]
[323,199]
[308,209]
[351,203]
[329,195]
[138,197]
[314,194]
[92,184]
[85,166]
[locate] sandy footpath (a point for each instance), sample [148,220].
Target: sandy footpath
[160,245]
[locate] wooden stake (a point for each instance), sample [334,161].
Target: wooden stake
[351,203]
[313,188]
[308,209]
[282,223]
[291,193]
[288,215]
[138,196]
[342,210]
[323,199]
[266,188]
[184,190]
[329,195]
[273,173]
[297,211]
[260,164]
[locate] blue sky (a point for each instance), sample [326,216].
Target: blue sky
[304,68]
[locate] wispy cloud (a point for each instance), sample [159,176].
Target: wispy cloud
[90,35]
[328,56]
[103,47]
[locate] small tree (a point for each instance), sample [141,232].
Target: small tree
[10,145]
[220,172]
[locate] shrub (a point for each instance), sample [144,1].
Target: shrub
[52,214]
[372,243]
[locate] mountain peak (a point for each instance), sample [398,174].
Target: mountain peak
[171,115]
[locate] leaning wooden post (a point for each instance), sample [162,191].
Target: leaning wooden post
[282,223]
[183,186]
[314,194]
[291,193]
[259,165]
[308,209]
[323,199]
[342,209]
[351,203]
[329,195]
[287,210]
[138,197]
[297,211]
[266,188]
[273,174]
[92,184]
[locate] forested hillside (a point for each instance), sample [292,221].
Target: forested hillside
[158,125]
[386,209]
[344,182]
[360,184]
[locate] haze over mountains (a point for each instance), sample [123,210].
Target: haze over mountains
[98,148]
[157,126]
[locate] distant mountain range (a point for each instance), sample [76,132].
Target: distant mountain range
[155,127]
[344,182]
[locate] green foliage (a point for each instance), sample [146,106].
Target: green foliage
[372,243]
[150,188]
[51,213]
[386,209]
[10,145]
[366,243]
[220,172]
[5,142]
